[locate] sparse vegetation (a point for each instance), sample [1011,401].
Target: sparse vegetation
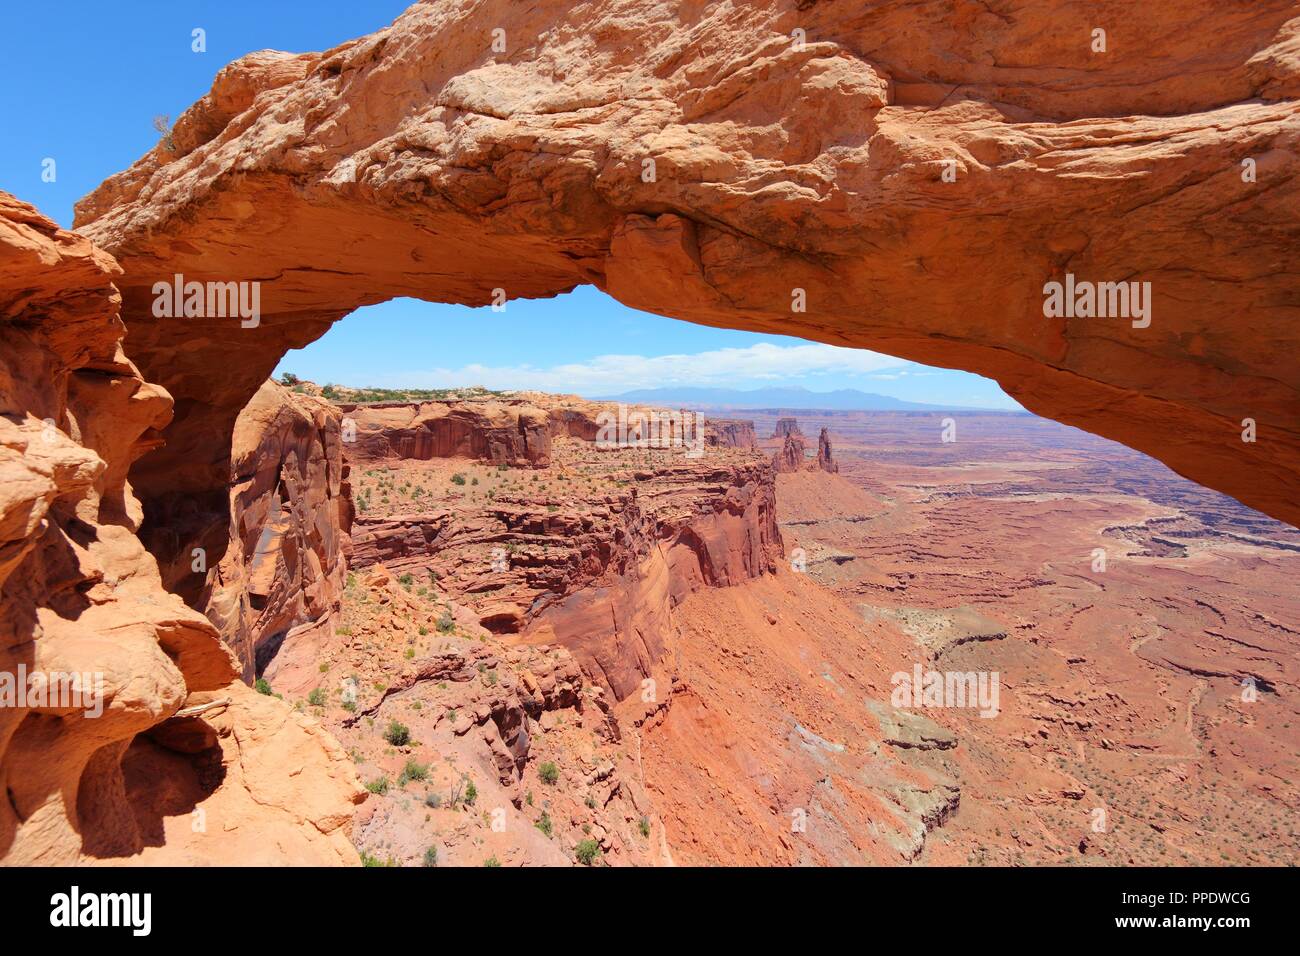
[413,770]
[549,773]
[397,734]
[587,852]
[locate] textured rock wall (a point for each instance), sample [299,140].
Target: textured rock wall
[121,774]
[512,433]
[284,568]
[905,177]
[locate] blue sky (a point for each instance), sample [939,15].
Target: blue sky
[82,80]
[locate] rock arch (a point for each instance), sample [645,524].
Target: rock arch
[416,161]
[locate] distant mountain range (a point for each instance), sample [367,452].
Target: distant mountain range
[844,399]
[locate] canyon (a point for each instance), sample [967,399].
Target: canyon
[467,631]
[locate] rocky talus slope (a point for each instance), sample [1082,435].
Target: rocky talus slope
[169,757]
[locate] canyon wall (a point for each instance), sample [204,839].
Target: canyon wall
[290,514]
[810,169]
[513,433]
[126,733]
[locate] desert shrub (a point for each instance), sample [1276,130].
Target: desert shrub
[399,735]
[433,800]
[262,686]
[549,773]
[544,824]
[644,824]
[379,785]
[413,770]
[316,698]
[431,856]
[446,623]
[587,851]
[471,793]
[458,479]
[492,861]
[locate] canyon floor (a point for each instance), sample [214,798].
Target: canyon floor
[1147,702]
[614,656]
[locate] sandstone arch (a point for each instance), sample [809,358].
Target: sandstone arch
[416,161]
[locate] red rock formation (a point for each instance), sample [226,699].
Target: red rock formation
[727,433]
[825,461]
[290,515]
[172,758]
[790,456]
[596,574]
[917,200]
[787,426]
[511,432]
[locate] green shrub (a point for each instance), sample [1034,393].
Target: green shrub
[316,698]
[431,856]
[544,824]
[413,771]
[379,786]
[446,623]
[587,852]
[262,686]
[399,735]
[492,861]
[549,773]
[644,824]
[458,479]
[471,793]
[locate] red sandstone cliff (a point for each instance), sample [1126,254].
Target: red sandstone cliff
[140,780]
[290,514]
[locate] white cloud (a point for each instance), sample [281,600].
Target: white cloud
[762,363]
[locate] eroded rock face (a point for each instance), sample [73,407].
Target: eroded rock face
[787,426]
[727,433]
[790,456]
[290,514]
[117,767]
[910,176]
[825,458]
[512,432]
